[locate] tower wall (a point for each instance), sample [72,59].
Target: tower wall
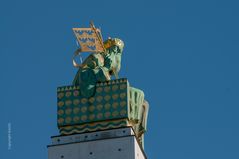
[109,144]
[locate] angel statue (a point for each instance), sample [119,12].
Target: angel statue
[100,66]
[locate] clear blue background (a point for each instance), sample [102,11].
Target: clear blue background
[183,54]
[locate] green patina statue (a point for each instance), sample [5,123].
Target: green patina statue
[100,67]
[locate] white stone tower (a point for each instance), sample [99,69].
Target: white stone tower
[118,143]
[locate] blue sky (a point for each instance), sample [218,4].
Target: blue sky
[183,54]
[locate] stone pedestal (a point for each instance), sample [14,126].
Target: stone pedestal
[118,143]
